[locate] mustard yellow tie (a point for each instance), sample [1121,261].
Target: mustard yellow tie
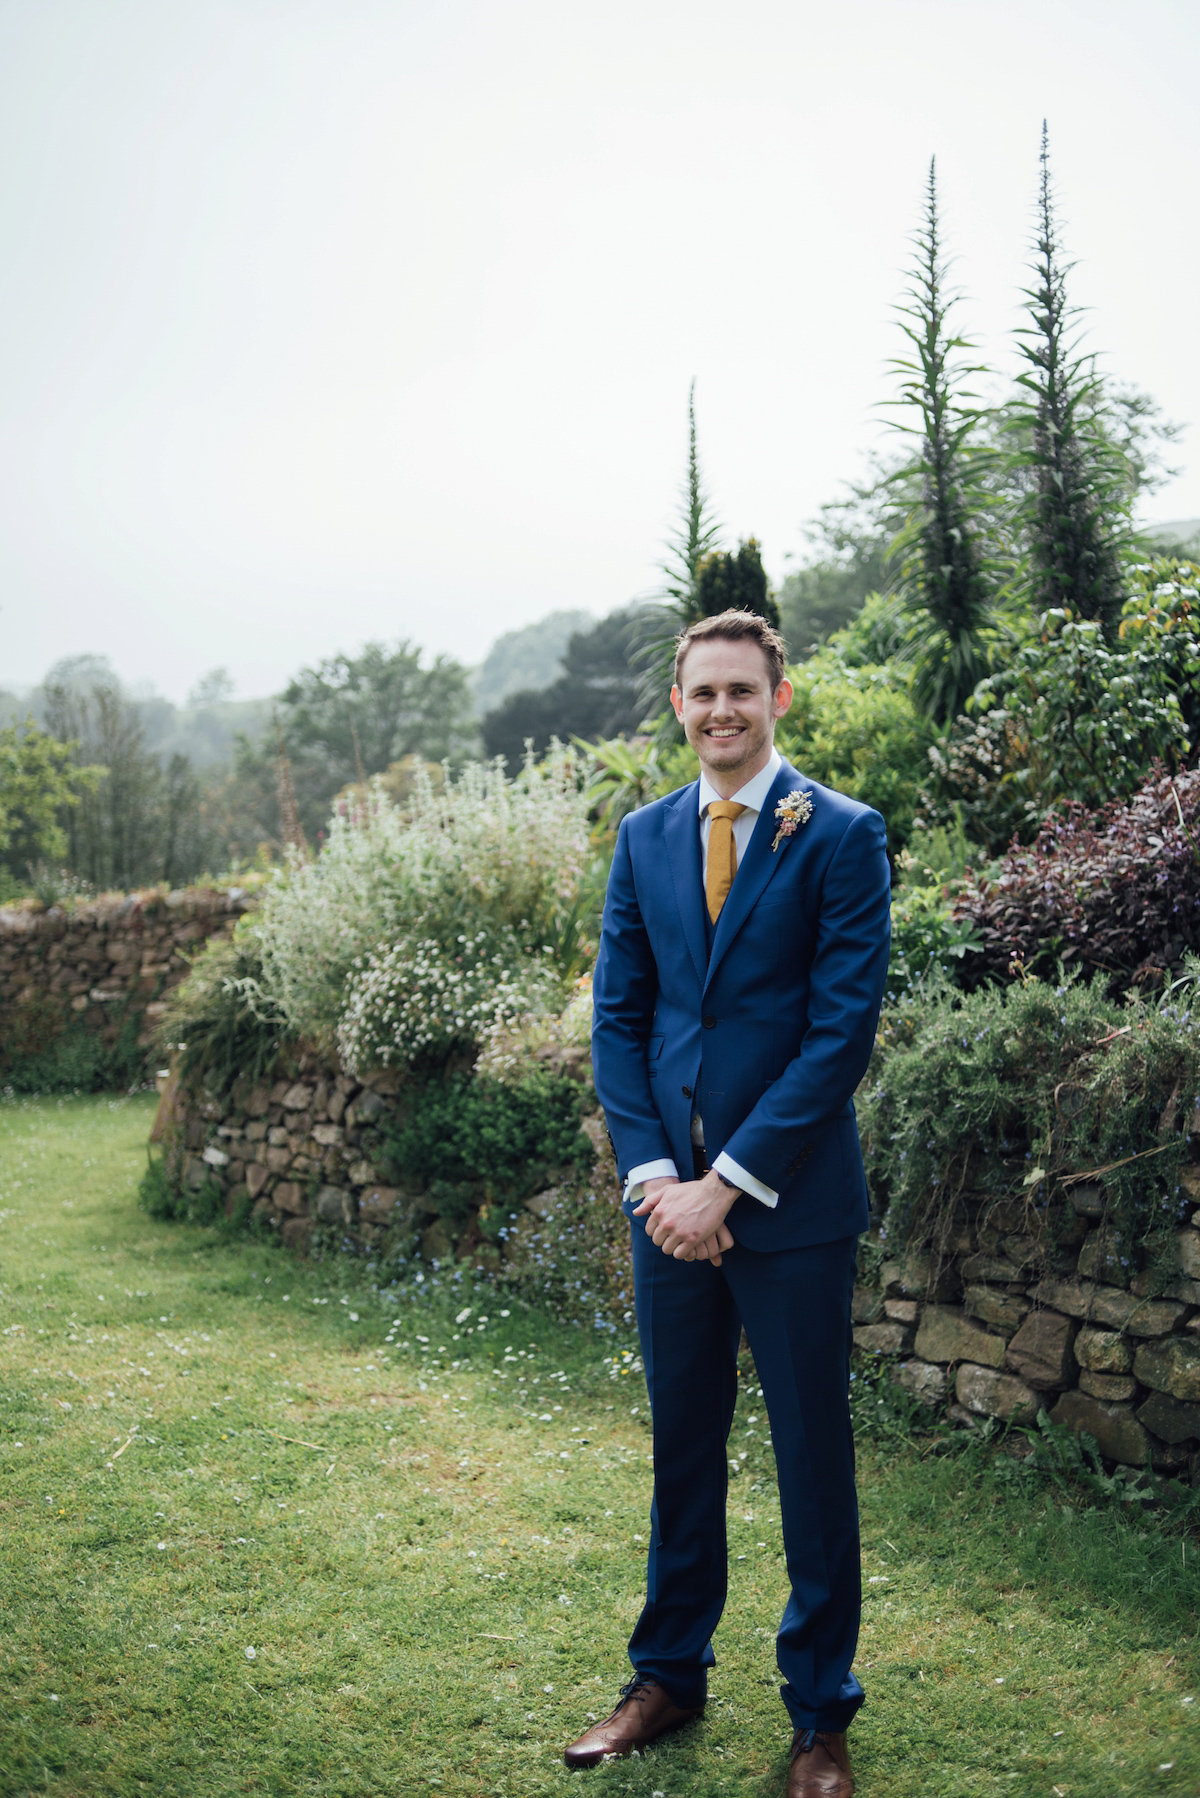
[722,854]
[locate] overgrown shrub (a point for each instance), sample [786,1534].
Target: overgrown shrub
[476,1139]
[480,853]
[416,1001]
[1014,1093]
[217,1020]
[856,728]
[1072,717]
[1116,891]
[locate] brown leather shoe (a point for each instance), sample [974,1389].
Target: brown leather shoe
[645,1712]
[819,1766]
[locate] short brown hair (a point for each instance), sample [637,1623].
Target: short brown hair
[734,627]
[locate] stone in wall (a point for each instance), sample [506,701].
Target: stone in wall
[1108,1386]
[1005,1311]
[884,1338]
[1041,1351]
[1108,1305]
[1171,1366]
[924,1379]
[1103,1351]
[1118,1433]
[1167,1418]
[985,1392]
[946,1334]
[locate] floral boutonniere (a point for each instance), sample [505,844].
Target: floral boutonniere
[793,810]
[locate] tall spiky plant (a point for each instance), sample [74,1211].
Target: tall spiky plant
[946,581]
[1076,514]
[696,534]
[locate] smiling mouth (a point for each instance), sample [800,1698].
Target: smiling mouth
[724,732]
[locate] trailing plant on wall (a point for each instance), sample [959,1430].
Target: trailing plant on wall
[1017,1093]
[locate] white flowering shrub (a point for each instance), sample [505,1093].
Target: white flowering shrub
[480,855]
[419,999]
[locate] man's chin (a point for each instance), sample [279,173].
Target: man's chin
[728,756]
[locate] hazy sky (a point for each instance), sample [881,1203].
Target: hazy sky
[323,320]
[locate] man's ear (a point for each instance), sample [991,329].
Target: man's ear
[782,702]
[677,702]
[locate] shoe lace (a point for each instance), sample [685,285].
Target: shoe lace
[804,1742]
[632,1687]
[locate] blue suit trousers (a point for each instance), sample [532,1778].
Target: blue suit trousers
[795,1307]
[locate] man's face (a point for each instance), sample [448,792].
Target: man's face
[728,709]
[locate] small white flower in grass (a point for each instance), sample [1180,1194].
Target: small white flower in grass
[53,1697]
[1182,1700]
[354,1317]
[547,1688]
[162,1545]
[463,1315]
[252,1654]
[999,1682]
[1165,1766]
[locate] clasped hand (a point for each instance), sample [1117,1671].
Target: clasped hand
[686,1218]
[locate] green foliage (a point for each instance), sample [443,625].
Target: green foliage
[928,942]
[629,772]
[946,575]
[1160,624]
[464,1139]
[138,819]
[597,693]
[217,1021]
[1010,1093]
[352,716]
[857,729]
[38,784]
[733,582]
[1072,717]
[851,537]
[1076,514]
[527,659]
[481,853]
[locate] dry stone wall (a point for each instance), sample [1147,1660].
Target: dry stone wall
[303,1151]
[104,964]
[1008,1320]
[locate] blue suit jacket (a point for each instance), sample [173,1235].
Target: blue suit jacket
[769,1035]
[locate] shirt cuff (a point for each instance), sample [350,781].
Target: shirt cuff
[647,1170]
[725,1164]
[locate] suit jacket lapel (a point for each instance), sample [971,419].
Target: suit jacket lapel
[757,868]
[681,835]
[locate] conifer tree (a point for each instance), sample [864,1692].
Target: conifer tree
[1076,511]
[946,580]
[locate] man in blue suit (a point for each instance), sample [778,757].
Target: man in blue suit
[741,969]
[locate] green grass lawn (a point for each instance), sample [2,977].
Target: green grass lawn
[259,1535]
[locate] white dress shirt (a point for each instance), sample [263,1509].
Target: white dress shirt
[753,796]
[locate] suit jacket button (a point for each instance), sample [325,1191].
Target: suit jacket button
[687,1092]
[708,1022]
